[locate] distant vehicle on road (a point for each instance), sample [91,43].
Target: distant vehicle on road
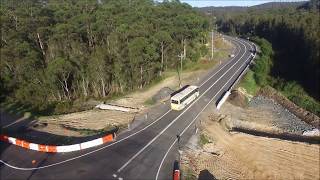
[231,55]
[184,96]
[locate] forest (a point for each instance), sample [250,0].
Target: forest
[55,52]
[294,33]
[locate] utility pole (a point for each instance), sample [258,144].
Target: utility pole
[212,44]
[212,33]
[180,74]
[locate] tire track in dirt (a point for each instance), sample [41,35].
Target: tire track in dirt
[265,158]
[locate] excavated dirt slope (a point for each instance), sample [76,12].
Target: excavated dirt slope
[235,155]
[243,156]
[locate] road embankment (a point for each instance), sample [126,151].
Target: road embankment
[303,114]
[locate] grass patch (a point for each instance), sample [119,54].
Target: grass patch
[150,102]
[203,140]
[201,64]
[249,83]
[91,132]
[189,174]
[15,108]
[295,93]
[204,64]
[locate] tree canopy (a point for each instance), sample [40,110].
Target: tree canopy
[55,51]
[294,34]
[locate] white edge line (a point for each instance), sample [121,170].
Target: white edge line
[164,157]
[91,152]
[223,65]
[83,155]
[156,137]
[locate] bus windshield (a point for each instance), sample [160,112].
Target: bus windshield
[174,101]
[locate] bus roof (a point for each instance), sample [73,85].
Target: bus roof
[185,90]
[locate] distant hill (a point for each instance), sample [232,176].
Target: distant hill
[311,5]
[265,6]
[272,5]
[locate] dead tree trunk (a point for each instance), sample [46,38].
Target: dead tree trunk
[103,88]
[42,48]
[85,87]
[184,49]
[162,56]
[141,77]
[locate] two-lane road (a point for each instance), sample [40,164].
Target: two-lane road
[146,152]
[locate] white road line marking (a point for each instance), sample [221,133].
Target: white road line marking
[83,155]
[156,137]
[231,60]
[157,175]
[120,178]
[165,158]
[99,149]
[15,122]
[114,175]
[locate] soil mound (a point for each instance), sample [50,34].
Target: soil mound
[237,99]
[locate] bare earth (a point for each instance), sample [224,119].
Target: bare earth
[243,156]
[138,98]
[93,119]
[100,119]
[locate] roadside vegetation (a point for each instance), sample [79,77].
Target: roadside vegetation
[249,84]
[203,140]
[56,54]
[260,77]
[289,41]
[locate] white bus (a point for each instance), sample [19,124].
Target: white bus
[184,96]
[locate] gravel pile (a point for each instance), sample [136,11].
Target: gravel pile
[284,119]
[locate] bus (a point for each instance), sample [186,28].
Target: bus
[184,96]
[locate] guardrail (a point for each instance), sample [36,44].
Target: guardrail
[228,92]
[58,149]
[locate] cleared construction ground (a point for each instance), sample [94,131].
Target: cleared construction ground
[229,154]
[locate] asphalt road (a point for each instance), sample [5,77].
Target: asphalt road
[146,152]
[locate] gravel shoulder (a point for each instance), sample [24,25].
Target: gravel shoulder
[281,117]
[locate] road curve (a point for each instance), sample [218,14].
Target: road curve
[146,152]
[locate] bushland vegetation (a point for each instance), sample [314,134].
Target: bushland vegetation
[55,52]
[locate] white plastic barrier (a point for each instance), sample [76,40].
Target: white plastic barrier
[114,107]
[92,143]
[224,98]
[69,148]
[12,140]
[34,146]
[54,149]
